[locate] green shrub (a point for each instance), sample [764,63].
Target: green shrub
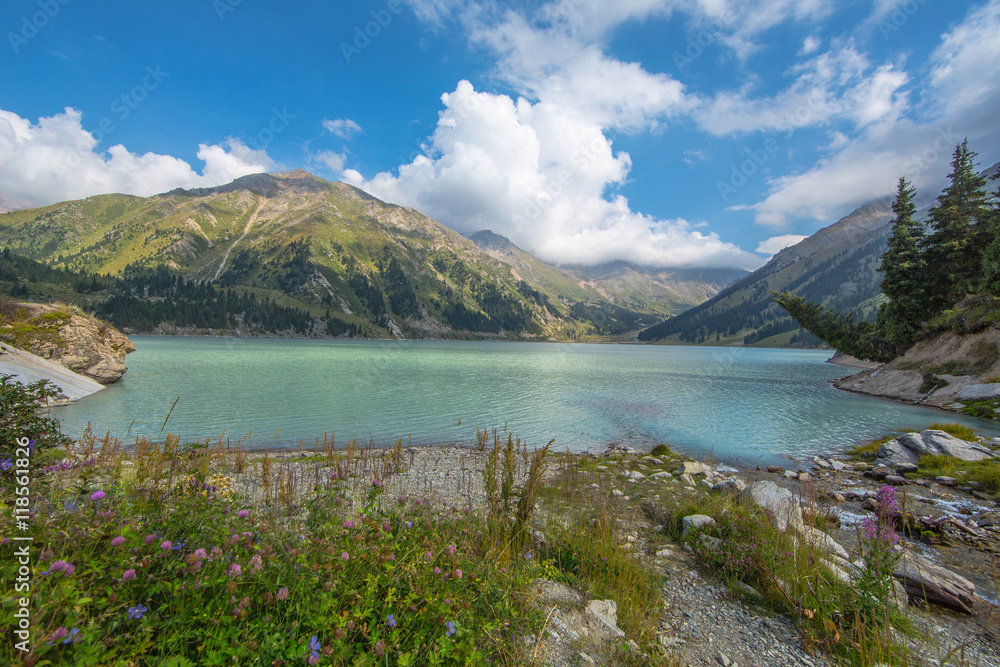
[958,430]
[19,418]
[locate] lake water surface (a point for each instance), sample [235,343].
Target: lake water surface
[751,404]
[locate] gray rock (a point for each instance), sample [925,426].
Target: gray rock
[946,481]
[979,392]
[606,612]
[695,521]
[904,468]
[822,542]
[693,468]
[925,580]
[663,474]
[789,474]
[909,447]
[635,476]
[652,460]
[687,479]
[838,466]
[710,543]
[775,469]
[880,471]
[805,477]
[822,463]
[896,480]
[778,502]
[732,485]
[553,593]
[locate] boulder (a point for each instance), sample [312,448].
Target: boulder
[663,474]
[908,448]
[776,501]
[925,580]
[731,485]
[549,593]
[979,392]
[696,521]
[693,468]
[822,542]
[636,476]
[606,613]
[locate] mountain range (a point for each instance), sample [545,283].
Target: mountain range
[365,266]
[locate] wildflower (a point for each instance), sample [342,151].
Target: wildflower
[379,649]
[458,574]
[450,629]
[376,482]
[390,620]
[215,554]
[349,524]
[409,524]
[437,570]
[235,570]
[97,495]
[137,611]
[195,567]
[451,549]
[60,566]
[283,593]
[6,465]
[118,541]
[46,554]
[56,635]
[70,506]
[128,575]
[242,514]
[314,648]
[149,539]
[200,554]
[345,556]
[165,545]
[255,562]
[71,637]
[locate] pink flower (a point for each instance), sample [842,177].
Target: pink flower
[97,495]
[348,524]
[242,514]
[118,541]
[200,554]
[56,635]
[149,539]
[283,593]
[458,574]
[345,556]
[437,570]
[165,545]
[195,567]
[255,562]
[216,552]
[128,575]
[451,549]
[235,570]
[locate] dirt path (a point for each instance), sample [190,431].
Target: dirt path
[250,221]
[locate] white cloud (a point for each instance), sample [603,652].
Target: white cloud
[966,70]
[537,173]
[330,159]
[838,84]
[56,159]
[772,245]
[345,128]
[693,156]
[810,45]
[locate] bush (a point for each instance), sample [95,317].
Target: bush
[960,431]
[19,416]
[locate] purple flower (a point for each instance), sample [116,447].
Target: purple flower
[165,545]
[235,570]
[56,635]
[97,495]
[409,524]
[437,570]
[118,541]
[379,649]
[6,465]
[71,637]
[450,629]
[345,556]
[458,574]
[451,549]
[283,593]
[60,566]
[136,612]
[200,554]
[390,620]
[348,524]
[242,514]
[314,647]
[255,562]
[149,539]
[128,575]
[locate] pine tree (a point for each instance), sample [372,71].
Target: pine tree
[954,250]
[904,271]
[991,256]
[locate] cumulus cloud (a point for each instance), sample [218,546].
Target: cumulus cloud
[345,128]
[56,159]
[772,245]
[537,173]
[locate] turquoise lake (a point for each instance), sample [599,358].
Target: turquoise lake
[751,405]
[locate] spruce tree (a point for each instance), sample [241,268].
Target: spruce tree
[991,256]
[903,273]
[961,233]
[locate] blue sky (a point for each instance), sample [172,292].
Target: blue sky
[662,132]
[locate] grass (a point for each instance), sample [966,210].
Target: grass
[960,431]
[984,473]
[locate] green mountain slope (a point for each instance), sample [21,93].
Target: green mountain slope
[328,249]
[836,266]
